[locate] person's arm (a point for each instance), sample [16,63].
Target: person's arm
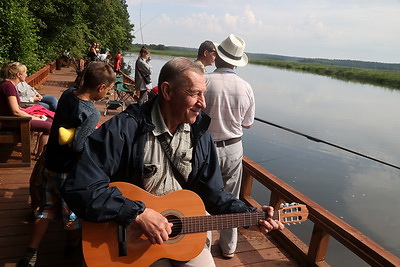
[16,111]
[250,112]
[94,51]
[87,192]
[34,91]
[84,130]
[143,67]
[26,92]
[36,97]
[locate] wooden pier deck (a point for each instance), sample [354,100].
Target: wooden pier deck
[254,249]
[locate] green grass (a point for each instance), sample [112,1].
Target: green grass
[170,53]
[389,79]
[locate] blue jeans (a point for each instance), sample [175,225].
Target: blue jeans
[49,102]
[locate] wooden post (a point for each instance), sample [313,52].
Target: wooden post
[14,130]
[318,245]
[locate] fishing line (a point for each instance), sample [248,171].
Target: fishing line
[141,27]
[325,142]
[140,21]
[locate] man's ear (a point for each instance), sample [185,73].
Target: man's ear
[166,90]
[101,87]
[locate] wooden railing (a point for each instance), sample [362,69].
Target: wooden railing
[128,79]
[41,75]
[326,224]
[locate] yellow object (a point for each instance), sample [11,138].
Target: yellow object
[65,136]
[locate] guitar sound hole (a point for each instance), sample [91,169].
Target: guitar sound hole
[177,225]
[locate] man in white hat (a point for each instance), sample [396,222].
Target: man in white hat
[231,106]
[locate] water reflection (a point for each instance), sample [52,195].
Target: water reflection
[369,196]
[359,117]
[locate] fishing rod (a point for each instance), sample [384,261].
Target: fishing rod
[140,19]
[312,138]
[144,25]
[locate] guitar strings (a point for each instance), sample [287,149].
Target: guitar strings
[224,218]
[209,217]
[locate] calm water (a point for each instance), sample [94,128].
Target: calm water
[362,118]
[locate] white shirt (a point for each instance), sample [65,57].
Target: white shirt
[230,104]
[26,92]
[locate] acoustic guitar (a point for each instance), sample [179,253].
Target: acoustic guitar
[108,244]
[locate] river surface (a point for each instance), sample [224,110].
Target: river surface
[362,118]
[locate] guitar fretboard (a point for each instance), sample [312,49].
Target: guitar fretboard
[218,222]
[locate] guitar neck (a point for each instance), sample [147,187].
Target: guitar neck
[218,222]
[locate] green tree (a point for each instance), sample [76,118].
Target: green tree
[62,26]
[109,24]
[42,32]
[18,34]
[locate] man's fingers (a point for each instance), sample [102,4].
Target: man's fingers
[169,229]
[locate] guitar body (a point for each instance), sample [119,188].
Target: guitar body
[100,240]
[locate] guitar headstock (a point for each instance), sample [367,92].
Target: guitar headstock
[292,213]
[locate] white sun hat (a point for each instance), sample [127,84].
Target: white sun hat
[231,50]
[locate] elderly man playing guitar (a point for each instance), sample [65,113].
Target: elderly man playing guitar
[153,152]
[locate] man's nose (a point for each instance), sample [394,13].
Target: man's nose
[202,101]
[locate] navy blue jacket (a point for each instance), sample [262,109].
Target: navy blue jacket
[115,152]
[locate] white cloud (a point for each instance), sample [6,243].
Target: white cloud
[250,17]
[231,21]
[330,29]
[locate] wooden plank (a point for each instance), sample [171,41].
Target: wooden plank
[16,220]
[253,249]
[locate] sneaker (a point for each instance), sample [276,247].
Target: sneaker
[24,263]
[27,262]
[228,255]
[29,259]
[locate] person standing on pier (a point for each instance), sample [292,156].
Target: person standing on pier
[206,55]
[231,106]
[118,62]
[143,71]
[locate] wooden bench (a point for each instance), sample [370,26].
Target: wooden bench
[14,130]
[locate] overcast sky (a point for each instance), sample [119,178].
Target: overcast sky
[366,30]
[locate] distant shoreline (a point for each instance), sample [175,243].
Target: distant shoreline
[385,75]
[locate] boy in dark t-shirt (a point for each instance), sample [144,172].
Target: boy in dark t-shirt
[76,116]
